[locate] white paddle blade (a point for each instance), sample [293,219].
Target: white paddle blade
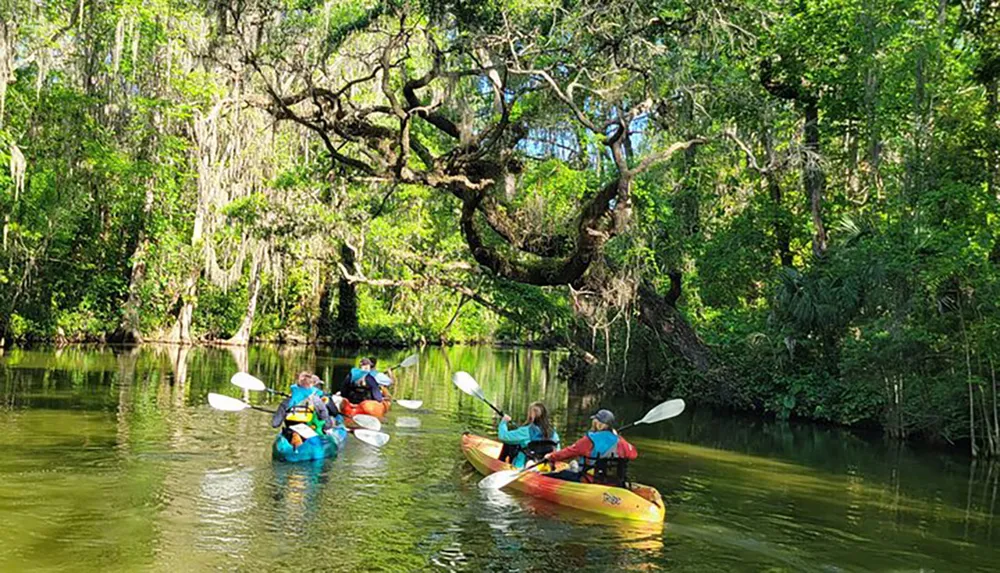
[337,399]
[407,422]
[367,422]
[226,403]
[383,379]
[466,383]
[247,381]
[377,439]
[410,361]
[500,479]
[410,404]
[666,410]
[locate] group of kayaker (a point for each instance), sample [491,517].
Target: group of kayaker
[307,404]
[600,456]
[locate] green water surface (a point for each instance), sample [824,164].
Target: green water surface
[111,460]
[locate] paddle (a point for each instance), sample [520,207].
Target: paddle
[385,380]
[664,411]
[377,439]
[466,383]
[229,404]
[407,362]
[250,382]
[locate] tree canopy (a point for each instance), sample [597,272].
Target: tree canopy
[782,206]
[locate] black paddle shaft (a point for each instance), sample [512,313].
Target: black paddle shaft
[495,409]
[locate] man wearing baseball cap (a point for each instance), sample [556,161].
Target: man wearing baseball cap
[597,451]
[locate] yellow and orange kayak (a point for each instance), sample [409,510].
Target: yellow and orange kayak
[638,503]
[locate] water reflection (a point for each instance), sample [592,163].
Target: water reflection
[110,459]
[225,500]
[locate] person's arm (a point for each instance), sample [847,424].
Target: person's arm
[516,436]
[345,386]
[582,447]
[626,450]
[321,412]
[280,413]
[376,391]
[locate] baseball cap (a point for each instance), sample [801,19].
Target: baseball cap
[604,417]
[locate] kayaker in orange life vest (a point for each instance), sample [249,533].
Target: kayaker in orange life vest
[602,454]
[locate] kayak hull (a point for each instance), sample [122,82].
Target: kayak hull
[369,407]
[640,503]
[315,448]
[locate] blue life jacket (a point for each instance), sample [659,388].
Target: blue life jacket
[300,394]
[605,444]
[301,409]
[358,374]
[603,466]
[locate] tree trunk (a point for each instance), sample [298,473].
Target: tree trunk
[871,99]
[992,119]
[347,300]
[782,230]
[672,329]
[242,336]
[128,330]
[815,180]
[180,332]
[325,320]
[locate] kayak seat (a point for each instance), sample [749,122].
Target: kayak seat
[610,471]
[536,450]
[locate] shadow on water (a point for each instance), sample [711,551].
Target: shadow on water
[111,460]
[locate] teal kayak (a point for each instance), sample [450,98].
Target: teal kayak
[317,447]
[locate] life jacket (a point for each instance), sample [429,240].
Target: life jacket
[358,394]
[302,409]
[603,466]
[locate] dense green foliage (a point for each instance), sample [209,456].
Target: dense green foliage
[827,228]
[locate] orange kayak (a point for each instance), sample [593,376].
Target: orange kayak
[639,503]
[370,407]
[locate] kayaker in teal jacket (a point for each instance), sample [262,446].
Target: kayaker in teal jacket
[535,438]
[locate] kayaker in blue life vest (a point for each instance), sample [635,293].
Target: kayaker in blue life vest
[304,406]
[602,455]
[360,383]
[535,438]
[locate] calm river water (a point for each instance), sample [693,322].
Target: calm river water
[111,460]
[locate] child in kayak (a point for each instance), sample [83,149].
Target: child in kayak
[603,455]
[304,406]
[535,438]
[360,384]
